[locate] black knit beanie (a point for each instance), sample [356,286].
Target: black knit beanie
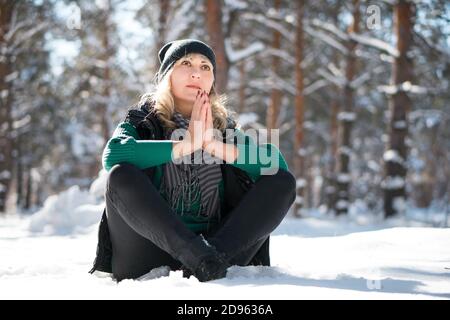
[175,50]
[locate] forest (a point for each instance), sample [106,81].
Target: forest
[359,91]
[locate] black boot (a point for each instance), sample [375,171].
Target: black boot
[211,267]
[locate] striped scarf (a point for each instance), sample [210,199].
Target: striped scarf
[184,184]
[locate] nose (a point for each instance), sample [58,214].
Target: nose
[195,75]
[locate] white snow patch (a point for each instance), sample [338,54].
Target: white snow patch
[334,258]
[4,93]
[342,204]
[72,211]
[400,124]
[346,116]
[247,118]
[344,178]
[393,156]
[69,212]
[346,151]
[301,183]
[98,187]
[237,55]
[236,4]
[5,174]
[298,200]
[393,183]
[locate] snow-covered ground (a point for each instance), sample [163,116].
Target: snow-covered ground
[312,259]
[48,255]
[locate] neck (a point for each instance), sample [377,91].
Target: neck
[184,107]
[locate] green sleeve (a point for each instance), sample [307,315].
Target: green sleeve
[125,146]
[255,159]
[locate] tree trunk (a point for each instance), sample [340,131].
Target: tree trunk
[213,17]
[243,80]
[299,168]
[164,7]
[20,174]
[330,182]
[106,56]
[399,105]
[275,99]
[106,90]
[346,120]
[6,98]
[29,189]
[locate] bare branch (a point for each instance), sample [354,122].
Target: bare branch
[315,86]
[339,81]
[290,36]
[331,28]
[375,43]
[237,55]
[327,39]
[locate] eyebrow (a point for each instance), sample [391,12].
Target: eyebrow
[200,61]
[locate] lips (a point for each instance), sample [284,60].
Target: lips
[193,87]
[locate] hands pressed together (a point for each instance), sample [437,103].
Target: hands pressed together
[200,133]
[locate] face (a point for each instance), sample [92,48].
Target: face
[189,74]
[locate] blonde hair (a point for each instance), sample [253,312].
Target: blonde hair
[165,106]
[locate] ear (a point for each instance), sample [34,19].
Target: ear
[162,52]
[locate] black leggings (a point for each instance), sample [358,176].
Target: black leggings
[145,233]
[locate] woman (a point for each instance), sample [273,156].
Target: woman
[164,210]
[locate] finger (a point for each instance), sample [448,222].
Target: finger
[195,108]
[209,116]
[204,112]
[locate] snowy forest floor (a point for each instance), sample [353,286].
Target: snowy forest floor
[316,257]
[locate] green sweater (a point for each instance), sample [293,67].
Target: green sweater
[125,146]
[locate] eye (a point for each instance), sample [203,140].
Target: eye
[185,61]
[206,67]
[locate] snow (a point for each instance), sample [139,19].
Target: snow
[237,55]
[236,4]
[406,86]
[400,124]
[247,118]
[346,116]
[314,87]
[327,39]
[342,204]
[181,20]
[336,80]
[270,24]
[376,43]
[5,174]
[357,256]
[393,183]
[345,150]
[334,259]
[66,213]
[12,76]
[393,156]
[344,178]
[301,183]
[298,200]
[374,166]
[4,94]
[330,28]
[84,140]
